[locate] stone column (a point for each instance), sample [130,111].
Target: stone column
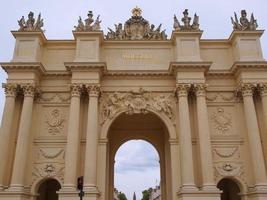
[90,171]
[204,138]
[254,140]
[73,140]
[6,127]
[23,140]
[185,141]
[263,93]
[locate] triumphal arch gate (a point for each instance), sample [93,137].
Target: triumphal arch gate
[70,104]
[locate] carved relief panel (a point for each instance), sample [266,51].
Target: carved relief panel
[228,162]
[53,121]
[48,162]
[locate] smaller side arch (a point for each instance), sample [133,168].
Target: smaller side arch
[36,185]
[231,188]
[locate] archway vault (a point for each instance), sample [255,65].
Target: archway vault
[153,127]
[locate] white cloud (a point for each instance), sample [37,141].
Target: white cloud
[137,167]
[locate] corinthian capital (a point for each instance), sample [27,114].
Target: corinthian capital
[28,89]
[93,90]
[75,90]
[200,89]
[263,89]
[246,89]
[182,90]
[10,89]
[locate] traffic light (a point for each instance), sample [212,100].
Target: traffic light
[80,183]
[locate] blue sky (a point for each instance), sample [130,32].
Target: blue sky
[61,15]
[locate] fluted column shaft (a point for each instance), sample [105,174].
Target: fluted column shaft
[263,93]
[73,140]
[6,127]
[91,139]
[253,135]
[185,140]
[204,138]
[23,141]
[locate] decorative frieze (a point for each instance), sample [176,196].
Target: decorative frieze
[220,97]
[136,102]
[55,98]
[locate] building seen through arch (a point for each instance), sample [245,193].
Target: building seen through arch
[70,104]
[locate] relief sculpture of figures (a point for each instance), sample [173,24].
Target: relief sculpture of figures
[136,28]
[30,24]
[244,24]
[187,23]
[89,24]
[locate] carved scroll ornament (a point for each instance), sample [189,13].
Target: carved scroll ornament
[136,102]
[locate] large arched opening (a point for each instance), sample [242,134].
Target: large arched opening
[230,189]
[150,128]
[137,168]
[48,190]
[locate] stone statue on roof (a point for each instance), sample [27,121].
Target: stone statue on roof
[136,28]
[30,24]
[89,24]
[244,24]
[187,22]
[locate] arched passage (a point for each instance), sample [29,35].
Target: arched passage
[48,190]
[150,128]
[137,168]
[230,189]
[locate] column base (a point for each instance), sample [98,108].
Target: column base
[68,194]
[91,193]
[8,195]
[195,194]
[258,193]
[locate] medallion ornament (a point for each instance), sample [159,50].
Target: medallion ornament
[136,28]
[31,24]
[222,121]
[55,122]
[136,102]
[89,24]
[243,24]
[187,22]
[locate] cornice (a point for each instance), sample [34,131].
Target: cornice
[235,34]
[248,66]
[189,66]
[23,67]
[39,34]
[86,66]
[226,74]
[146,73]
[186,34]
[99,34]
